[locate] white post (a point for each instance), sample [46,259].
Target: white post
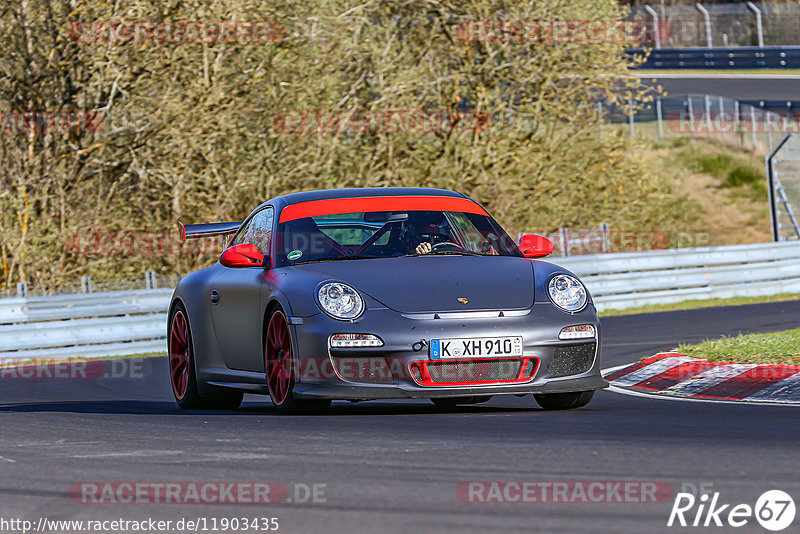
[753,124]
[690,109]
[707,17]
[22,289]
[707,103]
[759,27]
[150,280]
[656,26]
[630,117]
[659,118]
[604,228]
[86,284]
[563,234]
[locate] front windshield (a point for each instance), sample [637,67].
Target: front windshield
[385,234]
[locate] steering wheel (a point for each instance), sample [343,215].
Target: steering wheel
[446,244]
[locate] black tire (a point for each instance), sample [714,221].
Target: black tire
[190,398]
[452,402]
[280,368]
[564,401]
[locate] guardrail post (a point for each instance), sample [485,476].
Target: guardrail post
[86,284]
[630,118]
[690,109]
[707,17]
[22,289]
[759,26]
[656,28]
[563,235]
[604,229]
[707,111]
[659,118]
[736,122]
[150,280]
[753,124]
[722,116]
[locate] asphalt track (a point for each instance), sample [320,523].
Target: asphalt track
[737,86]
[395,466]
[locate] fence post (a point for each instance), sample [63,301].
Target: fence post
[564,237]
[150,280]
[604,229]
[690,109]
[722,116]
[736,126]
[759,26]
[86,284]
[707,17]
[753,124]
[630,117]
[707,106]
[656,28]
[600,117]
[659,118]
[22,289]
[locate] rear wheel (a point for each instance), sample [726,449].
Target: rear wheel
[182,371]
[281,369]
[451,402]
[564,401]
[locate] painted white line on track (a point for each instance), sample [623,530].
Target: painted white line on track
[632,393]
[702,76]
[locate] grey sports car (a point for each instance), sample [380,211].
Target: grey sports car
[379,293]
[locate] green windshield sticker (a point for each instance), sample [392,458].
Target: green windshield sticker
[293,255]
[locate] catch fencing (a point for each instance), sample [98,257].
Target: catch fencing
[135,322]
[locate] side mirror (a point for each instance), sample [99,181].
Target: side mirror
[244,255]
[535,246]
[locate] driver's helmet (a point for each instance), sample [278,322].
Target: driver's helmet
[425,226]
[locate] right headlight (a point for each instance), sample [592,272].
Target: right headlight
[567,292]
[340,301]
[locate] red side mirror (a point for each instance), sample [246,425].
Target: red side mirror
[535,246]
[244,255]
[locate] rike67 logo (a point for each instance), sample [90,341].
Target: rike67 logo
[774,510]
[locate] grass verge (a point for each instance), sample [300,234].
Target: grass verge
[696,304]
[772,348]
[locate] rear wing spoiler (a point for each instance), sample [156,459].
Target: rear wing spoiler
[196,231]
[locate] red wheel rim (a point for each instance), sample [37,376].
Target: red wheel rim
[278,358]
[179,354]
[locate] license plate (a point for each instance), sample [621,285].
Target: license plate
[471,347]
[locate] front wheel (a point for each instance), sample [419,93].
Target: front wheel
[564,401]
[182,368]
[281,369]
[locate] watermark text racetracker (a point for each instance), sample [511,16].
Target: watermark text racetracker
[172,32]
[58,369]
[564,491]
[196,492]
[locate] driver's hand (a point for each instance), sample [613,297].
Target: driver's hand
[424,248]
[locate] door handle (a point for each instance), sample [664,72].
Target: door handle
[214,296]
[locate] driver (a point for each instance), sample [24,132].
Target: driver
[430,229]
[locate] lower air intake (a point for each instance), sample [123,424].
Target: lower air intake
[364,369]
[473,372]
[571,359]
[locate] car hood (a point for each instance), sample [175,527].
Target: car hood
[435,283]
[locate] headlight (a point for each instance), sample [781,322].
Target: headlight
[567,292]
[340,301]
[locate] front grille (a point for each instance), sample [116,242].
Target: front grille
[365,369]
[571,359]
[466,372]
[474,371]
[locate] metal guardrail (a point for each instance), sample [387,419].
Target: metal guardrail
[116,323]
[740,57]
[134,322]
[625,280]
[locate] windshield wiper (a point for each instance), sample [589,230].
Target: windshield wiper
[337,258]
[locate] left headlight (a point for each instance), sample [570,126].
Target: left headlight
[567,292]
[340,301]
